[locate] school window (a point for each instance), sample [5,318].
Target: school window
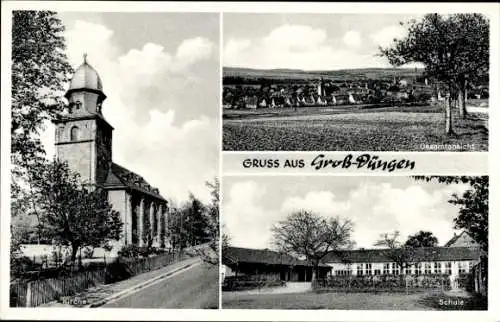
[418,269]
[437,268]
[360,269]
[471,266]
[462,267]
[386,268]
[368,269]
[428,268]
[395,269]
[377,272]
[408,270]
[448,268]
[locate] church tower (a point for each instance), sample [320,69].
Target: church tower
[83,136]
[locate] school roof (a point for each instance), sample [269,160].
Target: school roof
[234,255]
[428,254]
[462,239]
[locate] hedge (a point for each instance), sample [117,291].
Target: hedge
[386,282]
[242,283]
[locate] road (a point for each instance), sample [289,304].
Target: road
[195,288]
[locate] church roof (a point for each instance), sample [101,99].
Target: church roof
[85,77]
[120,177]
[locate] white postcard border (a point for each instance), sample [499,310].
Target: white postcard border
[492,10]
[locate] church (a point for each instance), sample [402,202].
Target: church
[84,139]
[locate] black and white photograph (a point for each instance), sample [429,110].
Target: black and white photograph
[355,242]
[258,161]
[115,146]
[355,82]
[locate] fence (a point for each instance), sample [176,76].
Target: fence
[38,292]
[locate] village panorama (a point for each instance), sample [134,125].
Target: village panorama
[409,97]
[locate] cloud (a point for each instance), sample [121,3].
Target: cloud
[323,202]
[236,46]
[247,222]
[385,36]
[352,38]
[145,62]
[295,37]
[190,51]
[177,159]
[162,130]
[299,46]
[374,208]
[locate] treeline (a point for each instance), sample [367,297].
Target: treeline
[194,222]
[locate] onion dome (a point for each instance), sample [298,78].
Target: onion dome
[85,78]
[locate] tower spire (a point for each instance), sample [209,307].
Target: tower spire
[84,58]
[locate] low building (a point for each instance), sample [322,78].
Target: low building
[424,261]
[265,264]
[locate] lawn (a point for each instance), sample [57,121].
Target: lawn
[350,129]
[433,300]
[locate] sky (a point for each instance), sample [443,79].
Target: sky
[160,72]
[376,205]
[309,41]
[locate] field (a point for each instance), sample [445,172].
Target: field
[234,75]
[356,128]
[433,300]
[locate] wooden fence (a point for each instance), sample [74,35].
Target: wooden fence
[142,265]
[38,292]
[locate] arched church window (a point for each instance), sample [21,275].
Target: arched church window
[75,133]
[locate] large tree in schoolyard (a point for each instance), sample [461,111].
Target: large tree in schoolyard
[307,234]
[453,48]
[71,212]
[422,239]
[401,254]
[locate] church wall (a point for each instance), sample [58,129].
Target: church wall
[79,152]
[128,222]
[118,199]
[80,158]
[86,128]
[83,103]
